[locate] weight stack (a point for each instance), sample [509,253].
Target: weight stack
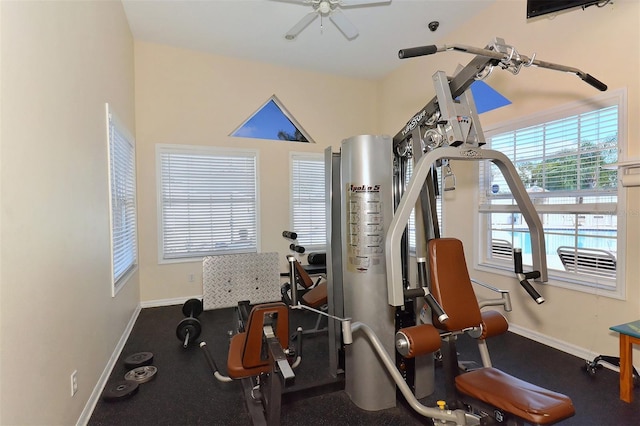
[366,176]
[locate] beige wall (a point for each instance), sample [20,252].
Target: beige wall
[60,63]
[604,42]
[186,97]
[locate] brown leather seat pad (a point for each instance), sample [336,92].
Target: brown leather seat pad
[525,400]
[317,296]
[423,339]
[234,360]
[493,324]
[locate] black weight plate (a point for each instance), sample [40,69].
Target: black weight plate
[139,359]
[191,326]
[192,308]
[119,391]
[141,374]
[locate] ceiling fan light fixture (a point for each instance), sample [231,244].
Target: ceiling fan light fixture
[324,7]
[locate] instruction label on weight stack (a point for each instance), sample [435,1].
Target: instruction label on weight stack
[365,229]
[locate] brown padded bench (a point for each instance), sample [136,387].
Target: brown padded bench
[452,288]
[534,404]
[245,357]
[314,296]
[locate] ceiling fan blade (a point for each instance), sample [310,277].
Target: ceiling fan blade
[348,3]
[295,1]
[344,25]
[301,25]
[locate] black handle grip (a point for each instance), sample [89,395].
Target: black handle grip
[297,249]
[517,260]
[589,79]
[412,293]
[290,235]
[517,267]
[412,52]
[208,357]
[532,292]
[436,308]
[532,275]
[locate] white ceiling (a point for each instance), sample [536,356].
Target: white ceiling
[254,30]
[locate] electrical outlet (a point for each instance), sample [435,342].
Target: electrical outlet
[192,277]
[74,382]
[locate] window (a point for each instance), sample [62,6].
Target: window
[566,161]
[308,205]
[208,202]
[272,121]
[122,188]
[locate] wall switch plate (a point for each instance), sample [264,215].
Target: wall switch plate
[74,382]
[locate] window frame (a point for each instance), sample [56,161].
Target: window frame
[613,288]
[127,211]
[194,150]
[302,239]
[239,132]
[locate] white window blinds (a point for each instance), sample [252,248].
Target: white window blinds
[561,161]
[122,183]
[308,199]
[208,202]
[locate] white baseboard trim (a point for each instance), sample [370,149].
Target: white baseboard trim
[574,350]
[167,302]
[85,416]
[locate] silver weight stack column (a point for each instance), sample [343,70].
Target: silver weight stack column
[366,179]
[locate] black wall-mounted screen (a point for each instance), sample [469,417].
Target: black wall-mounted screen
[543,7]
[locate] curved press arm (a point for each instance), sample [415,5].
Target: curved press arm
[212,364]
[504,55]
[524,277]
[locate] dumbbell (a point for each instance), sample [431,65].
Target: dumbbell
[290,235]
[189,328]
[296,248]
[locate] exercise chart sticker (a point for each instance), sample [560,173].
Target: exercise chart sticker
[365,229]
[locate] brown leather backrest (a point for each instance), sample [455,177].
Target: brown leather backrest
[252,354]
[303,277]
[451,285]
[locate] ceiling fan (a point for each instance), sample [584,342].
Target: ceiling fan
[330,8]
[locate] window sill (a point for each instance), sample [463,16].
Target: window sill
[122,282]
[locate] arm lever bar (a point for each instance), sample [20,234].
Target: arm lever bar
[525,277]
[509,59]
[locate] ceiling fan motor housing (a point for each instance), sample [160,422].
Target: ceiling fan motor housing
[331,9]
[325,7]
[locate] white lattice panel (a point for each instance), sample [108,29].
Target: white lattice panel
[230,278]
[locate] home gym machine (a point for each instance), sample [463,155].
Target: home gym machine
[263,355]
[371,297]
[367,261]
[261,359]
